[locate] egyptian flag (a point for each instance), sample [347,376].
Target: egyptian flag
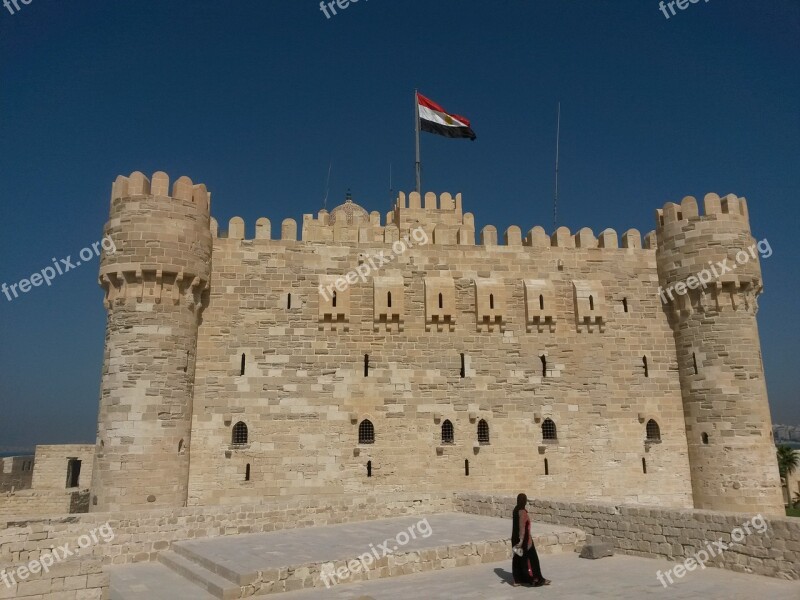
[434,119]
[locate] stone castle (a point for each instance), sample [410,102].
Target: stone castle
[238,369]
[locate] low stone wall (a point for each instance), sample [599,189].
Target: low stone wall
[140,536]
[674,534]
[296,577]
[29,503]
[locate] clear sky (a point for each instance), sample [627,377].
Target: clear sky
[254,98]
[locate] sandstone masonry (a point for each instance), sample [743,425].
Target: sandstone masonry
[233,370]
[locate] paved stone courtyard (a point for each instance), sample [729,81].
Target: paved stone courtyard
[239,556]
[618,577]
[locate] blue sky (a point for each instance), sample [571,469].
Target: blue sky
[254,98]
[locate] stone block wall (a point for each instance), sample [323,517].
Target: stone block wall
[665,533]
[140,535]
[16,473]
[52,465]
[310,380]
[48,493]
[28,503]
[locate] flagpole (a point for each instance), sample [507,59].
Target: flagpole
[555,197]
[418,164]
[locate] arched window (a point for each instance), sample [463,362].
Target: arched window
[704,437]
[653,431]
[247,472]
[333,300]
[543,358]
[541,302]
[549,431]
[366,432]
[241,372]
[591,302]
[441,301]
[483,432]
[239,434]
[646,368]
[389,299]
[491,301]
[448,435]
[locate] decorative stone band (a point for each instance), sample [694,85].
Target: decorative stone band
[727,295]
[152,286]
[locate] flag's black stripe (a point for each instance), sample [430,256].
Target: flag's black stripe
[451,132]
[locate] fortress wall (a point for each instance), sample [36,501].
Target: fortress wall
[304,393]
[140,535]
[48,493]
[51,466]
[42,502]
[663,532]
[16,472]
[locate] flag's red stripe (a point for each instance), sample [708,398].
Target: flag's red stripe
[428,103]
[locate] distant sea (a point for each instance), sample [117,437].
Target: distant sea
[29,452]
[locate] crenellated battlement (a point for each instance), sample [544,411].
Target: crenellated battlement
[163,242]
[137,184]
[351,224]
[444,202]
[730,207]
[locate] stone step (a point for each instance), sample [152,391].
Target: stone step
[239,577]
[215,584]
[152,581]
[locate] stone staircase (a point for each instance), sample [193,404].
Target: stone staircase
[240,566]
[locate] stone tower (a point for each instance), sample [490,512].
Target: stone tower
[710,277]
[154,291]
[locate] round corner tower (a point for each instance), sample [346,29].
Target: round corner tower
[154,285]
[710,277]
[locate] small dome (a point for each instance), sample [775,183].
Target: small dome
[349,213]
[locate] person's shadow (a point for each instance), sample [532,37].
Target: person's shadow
[506,576]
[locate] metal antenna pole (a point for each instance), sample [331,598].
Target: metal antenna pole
[327,187]
[555,197]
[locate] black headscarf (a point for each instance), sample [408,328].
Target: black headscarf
[522,501]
